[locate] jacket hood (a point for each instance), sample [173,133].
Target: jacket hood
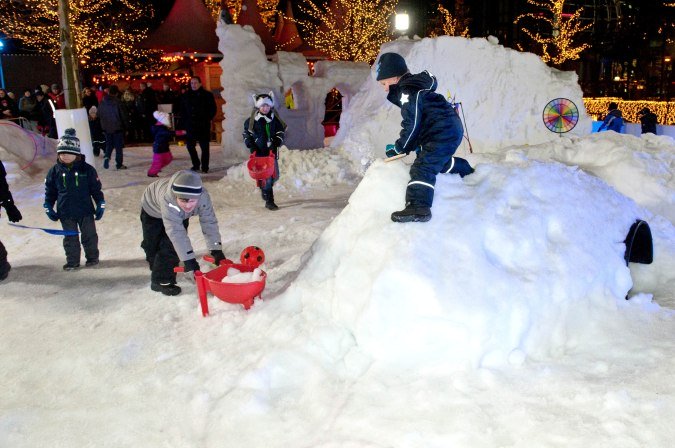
[419,81]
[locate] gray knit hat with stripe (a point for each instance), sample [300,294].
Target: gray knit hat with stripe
[187,185]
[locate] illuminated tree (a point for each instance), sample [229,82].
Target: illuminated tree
[104,32]
[557,46]
[447,24]
[348,30]
[268,9]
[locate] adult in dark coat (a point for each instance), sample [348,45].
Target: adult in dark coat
[112,121]
[648,120]
[198,107]
[13,214]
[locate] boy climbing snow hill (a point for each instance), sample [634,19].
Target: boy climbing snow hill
[430,126]
[161,154]
[71,184]
[264,132]
[166,208]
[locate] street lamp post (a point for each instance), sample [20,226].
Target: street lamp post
[2,74]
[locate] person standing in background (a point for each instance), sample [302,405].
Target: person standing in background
[198,107]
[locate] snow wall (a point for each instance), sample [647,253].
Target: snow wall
[503,94]
[247,71]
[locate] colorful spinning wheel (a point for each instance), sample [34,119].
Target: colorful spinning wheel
[560,115]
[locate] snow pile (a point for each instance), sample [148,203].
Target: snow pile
[517,261]
[639,167]
[503,93]
[319,168]
[234,275]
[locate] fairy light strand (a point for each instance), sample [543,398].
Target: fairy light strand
[559,46]
[347,30]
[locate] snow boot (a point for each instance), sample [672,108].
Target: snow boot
[71,266]
[168,290]
[269,202]
[412,213]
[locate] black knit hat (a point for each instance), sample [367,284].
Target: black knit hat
[390,65]
[68,143]
[187,185]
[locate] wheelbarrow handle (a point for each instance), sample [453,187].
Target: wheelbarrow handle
[181,269]
[212,260]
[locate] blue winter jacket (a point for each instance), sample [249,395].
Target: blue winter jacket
[612,122]
[429,120]
[72,188]
[161,139]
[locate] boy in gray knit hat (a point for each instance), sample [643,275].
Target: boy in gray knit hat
[166,208]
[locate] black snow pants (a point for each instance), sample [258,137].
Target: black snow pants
[88,236]
[159,250]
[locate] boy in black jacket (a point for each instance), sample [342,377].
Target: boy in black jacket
[13,214]
[71,184]
[265,132]
[430,126]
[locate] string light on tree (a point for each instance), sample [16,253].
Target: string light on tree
[347,30]
[448,25]
[558,46]
[267,8]
[105,32]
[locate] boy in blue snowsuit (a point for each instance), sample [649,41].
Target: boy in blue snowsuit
[72,184]
[430,126]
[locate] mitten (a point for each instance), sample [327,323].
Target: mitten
[49,210]
[13,213]
[191,265]
[218,256]
[100,208]
[391,151]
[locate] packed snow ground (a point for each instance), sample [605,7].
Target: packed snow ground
[501,322]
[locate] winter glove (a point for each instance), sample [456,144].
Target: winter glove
[391,151]
[191,265]
[100,208]
[13,213]
[218,256]
[49,210]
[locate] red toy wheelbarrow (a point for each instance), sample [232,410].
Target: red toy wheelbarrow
[261,168]
[238,293]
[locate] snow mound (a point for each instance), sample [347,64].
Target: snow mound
[323,167]
[516,262]
[503,94]
[638,167]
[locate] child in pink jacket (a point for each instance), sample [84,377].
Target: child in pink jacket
[162,134]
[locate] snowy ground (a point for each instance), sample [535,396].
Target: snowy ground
[499,323]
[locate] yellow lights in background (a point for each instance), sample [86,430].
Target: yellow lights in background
[347,30]
[177,77]
[177,57]
[105,32]
[557,47]
[451,26]
[665,111]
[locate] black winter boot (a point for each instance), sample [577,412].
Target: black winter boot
[168,290]
[412,213]
[269,201]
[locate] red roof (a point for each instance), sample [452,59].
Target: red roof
[189,28]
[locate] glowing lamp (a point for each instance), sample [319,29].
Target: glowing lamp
[402,22]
